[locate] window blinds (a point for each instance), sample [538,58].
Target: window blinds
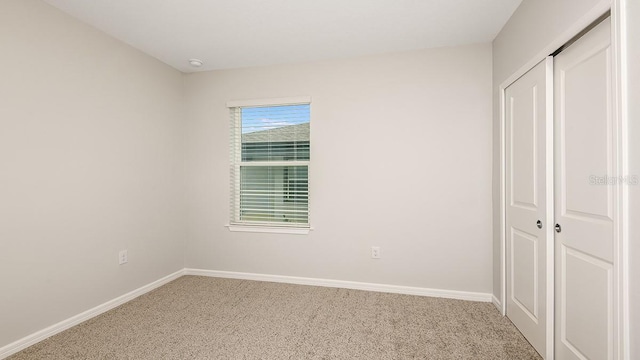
[270,165]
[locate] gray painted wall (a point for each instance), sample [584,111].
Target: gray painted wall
[400,158]
[91,150]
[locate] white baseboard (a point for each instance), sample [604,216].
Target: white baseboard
[496,303]
[27,341]
[36,337]
[396,289]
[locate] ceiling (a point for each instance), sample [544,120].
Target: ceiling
[242,33]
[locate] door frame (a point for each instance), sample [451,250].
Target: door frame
[621,234]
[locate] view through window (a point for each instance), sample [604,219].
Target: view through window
[270,165]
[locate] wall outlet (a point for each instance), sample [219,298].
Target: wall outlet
[375,252]
[123,257]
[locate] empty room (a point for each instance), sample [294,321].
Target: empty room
[320,179]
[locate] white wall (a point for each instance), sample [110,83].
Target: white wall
[534,25]
[401,158]
[90,163]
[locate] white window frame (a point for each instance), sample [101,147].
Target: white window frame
[301,229]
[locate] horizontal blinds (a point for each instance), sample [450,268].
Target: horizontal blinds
[270,165]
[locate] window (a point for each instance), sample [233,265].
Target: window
[270,163]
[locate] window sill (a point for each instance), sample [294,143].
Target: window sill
[269,229]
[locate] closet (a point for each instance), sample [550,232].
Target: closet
[562,200]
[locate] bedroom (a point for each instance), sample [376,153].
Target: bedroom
[105,148]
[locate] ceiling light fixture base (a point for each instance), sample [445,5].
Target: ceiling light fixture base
[195,62]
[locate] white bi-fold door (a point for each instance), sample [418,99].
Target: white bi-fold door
[561,201]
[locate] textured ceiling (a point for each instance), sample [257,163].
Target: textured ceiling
[242,33]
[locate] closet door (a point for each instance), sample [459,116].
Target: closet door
[527,206]
[584,197]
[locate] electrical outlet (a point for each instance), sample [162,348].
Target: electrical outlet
[375,252]
[123,257]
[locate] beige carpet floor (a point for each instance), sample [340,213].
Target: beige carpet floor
[208,318]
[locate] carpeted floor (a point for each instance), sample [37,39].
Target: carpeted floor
[208,318]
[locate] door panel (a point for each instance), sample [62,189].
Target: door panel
[586,146]
[524,248]
[523,146]
[584,209]
[527,189]
[586,283]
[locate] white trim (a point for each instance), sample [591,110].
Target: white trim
[496,303]
[270,102]
[550,213]
[621,249]
[269,229]
[38,336]
[503,200]
[394,289]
